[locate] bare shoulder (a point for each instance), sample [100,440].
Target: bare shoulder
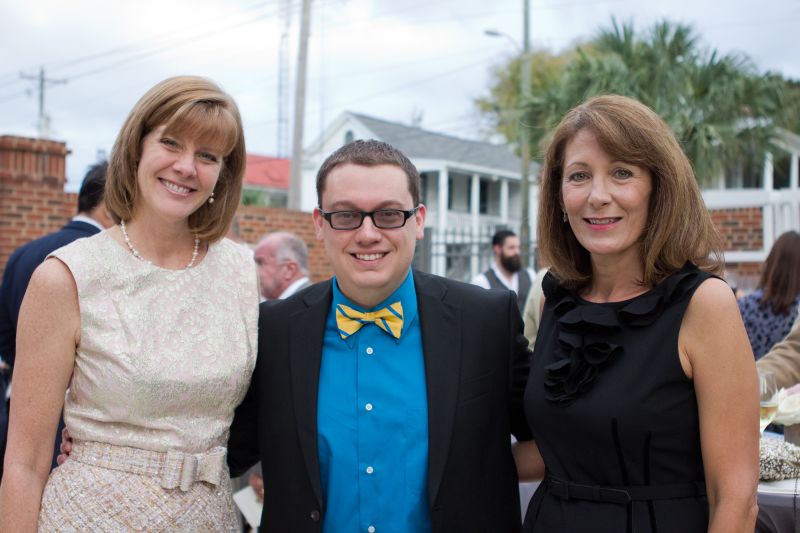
[712,326]
[712,295]
[50,312]
[712,309]
[52,284]
[54,277]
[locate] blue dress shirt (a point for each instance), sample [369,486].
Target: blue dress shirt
[372,420]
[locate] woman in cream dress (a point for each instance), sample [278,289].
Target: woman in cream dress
[145,333]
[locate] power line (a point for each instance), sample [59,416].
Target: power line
[394,89]
[42,83]
[146,42]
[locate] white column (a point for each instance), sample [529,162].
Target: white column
[504,200]
[532,199]
[534,218]
[440,261]
[474,211]
[768,172]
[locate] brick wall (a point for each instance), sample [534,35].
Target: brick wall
[32,197]
[740,228]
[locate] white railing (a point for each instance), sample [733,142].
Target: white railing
[464,220]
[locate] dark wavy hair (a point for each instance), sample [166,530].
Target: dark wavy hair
[780,280]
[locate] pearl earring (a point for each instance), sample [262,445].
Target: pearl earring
[564,216]
[211,198]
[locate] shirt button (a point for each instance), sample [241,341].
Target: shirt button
[370,470]
[368,407]
[370,351]
[371,529]
[315,515]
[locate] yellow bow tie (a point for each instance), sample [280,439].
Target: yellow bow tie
[389,319]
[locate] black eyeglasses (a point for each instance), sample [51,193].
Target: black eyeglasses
[381,218]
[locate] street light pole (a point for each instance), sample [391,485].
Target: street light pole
[522,128]
[524,139]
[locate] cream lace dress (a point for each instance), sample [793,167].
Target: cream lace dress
[164,358]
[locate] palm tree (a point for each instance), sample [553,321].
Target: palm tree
[718,105]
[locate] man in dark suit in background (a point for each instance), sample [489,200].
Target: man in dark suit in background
[91,218]
[383,399]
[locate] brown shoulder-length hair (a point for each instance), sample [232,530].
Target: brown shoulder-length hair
[678,227]
[780,280]
[184,105]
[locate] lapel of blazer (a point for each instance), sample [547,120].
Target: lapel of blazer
[306,331]
[440,322]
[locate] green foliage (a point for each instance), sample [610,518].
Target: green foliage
[253,197]
[503,106]
[719,106]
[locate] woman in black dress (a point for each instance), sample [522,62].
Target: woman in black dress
[642,395]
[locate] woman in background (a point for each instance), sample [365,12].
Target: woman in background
[771,309]
[150,329]
[642,396]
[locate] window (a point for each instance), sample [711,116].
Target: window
[449,193]
[423,187]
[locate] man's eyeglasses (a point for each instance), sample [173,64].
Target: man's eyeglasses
[381,218]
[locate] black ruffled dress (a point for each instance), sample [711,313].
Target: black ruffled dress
[614,415]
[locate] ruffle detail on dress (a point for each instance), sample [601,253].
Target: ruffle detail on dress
[583,331]
[645,309]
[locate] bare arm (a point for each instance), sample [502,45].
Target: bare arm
[716,354]
[47,334]
[530,465]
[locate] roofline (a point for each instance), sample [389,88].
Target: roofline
[430,132]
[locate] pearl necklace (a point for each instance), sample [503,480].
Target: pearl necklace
[138,256]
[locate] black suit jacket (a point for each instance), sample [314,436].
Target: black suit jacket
[476,361]
[17,275]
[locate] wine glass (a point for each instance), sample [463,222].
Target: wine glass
[768,390]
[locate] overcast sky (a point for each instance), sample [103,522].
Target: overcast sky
[393,59]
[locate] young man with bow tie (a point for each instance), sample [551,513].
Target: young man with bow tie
[383,400]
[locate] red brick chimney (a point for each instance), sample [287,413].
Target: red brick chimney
[32,198]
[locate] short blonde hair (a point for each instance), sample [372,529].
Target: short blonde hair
[183,105]
[678,227]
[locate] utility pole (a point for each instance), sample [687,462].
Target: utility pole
[44,118]
[299,109]
[284,73]
[524,138]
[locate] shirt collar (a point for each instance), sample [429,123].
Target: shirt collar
[405,293]
[291,289]
[88,220]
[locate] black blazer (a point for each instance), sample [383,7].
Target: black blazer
[476,362]
[17,275]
